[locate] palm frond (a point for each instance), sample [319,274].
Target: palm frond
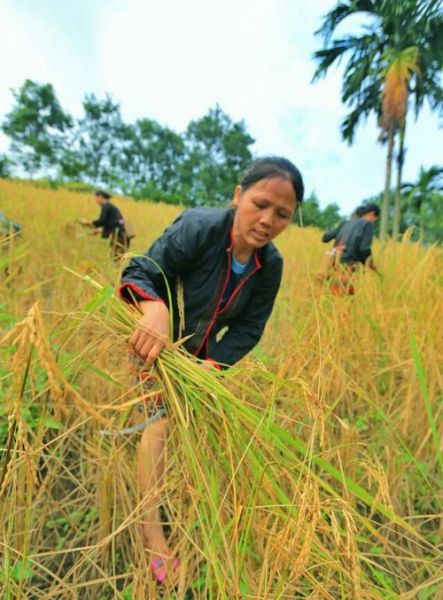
[342,11]
[328,56]
[401,66]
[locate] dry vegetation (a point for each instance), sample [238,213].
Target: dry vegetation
[313,470]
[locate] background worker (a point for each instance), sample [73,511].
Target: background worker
[328,259]
[112,224]
[334,234]
[352,246]
[8,227]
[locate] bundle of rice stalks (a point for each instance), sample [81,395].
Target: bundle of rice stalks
[253,503]
[255,508]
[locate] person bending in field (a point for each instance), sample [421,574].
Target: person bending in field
[334,234]
[7,227]
[230,273]
[328,259]
[352,246]
[111,223]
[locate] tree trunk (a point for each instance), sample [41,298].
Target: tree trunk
[400,162]
[386,196]
[421,212]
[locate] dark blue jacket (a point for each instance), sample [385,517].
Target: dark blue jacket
[197,249]
[356,235]
[110,219]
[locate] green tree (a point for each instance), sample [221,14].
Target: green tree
[217,152]
[5,166]
[330,216]
[98,143]
[37,126]
[151,159]
[424,199]
[311,214]
[144,159]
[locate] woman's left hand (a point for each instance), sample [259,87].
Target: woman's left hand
[207,365]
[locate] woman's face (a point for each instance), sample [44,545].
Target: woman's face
[263,211]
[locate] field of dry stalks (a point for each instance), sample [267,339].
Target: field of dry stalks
[311,470]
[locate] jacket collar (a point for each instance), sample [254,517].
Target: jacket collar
[230,248]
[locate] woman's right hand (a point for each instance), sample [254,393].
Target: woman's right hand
[152,331]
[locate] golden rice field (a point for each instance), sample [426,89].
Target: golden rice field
[313,469]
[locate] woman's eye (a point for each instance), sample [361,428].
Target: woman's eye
[283,215]
[260,204]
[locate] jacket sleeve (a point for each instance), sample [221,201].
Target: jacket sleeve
[365,243]
[328,236]
[173,253]
[104,216]
[245,332]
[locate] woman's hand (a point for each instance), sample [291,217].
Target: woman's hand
[207,365]
[152,331]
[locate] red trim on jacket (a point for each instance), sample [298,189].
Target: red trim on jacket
[220,298]
[215,363]
[138,291]
[216,313]
[240,285]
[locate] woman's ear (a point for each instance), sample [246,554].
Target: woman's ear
[237,195]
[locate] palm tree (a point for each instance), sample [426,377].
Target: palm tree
[422,26]
[424,193]
[395,93]
[397,30]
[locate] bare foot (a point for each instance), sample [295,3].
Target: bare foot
[157,544]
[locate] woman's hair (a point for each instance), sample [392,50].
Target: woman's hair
[358,212]
[368,208]
[103,194]
[270,167]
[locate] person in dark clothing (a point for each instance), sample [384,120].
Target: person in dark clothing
[7,227]
[328,260]
[229,272]
[198,249]
[334,234]
[111,223]
[352,246]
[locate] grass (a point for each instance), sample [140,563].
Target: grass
[310,470]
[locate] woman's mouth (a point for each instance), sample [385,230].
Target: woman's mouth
[260,236]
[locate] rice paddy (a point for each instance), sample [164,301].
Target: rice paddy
[313,469]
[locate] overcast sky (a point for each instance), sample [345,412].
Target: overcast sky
[171,60]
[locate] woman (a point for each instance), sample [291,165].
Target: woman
[230,273]
[353,241]
[112,224]
[332,256]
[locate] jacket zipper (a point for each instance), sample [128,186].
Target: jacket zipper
[220,298]
[240,285]
[214,316]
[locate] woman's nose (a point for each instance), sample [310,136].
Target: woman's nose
[266,218]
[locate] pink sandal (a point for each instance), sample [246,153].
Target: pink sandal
[159,570]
